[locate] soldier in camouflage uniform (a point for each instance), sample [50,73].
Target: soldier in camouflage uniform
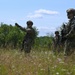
[70,36]
[56,42]
[29,37]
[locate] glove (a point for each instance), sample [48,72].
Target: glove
[16,24]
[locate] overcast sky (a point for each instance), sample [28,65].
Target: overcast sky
[47,15]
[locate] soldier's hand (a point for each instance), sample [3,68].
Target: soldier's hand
[16,24]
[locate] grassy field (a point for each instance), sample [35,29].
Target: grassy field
[38,62]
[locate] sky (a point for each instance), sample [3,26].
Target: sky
[47,15]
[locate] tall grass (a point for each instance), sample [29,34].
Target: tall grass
[38,62]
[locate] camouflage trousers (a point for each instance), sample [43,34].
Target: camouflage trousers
[56,48]
[26,45]
[69,47]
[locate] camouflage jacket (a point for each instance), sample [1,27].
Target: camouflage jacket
[71,28]
[30,32]
[57,40]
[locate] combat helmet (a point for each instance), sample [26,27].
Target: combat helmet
[29,22]
[56,32]
[71,10]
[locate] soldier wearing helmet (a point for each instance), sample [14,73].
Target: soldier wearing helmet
[70,36]
[56,42]
[29,37]
[29,22]
[70,13]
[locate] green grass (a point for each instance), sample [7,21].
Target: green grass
[38,62]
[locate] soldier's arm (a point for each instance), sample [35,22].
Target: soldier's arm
[72,29]
[16,24]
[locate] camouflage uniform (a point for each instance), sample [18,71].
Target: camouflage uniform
[28,38]
[56,42]
[70,41]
